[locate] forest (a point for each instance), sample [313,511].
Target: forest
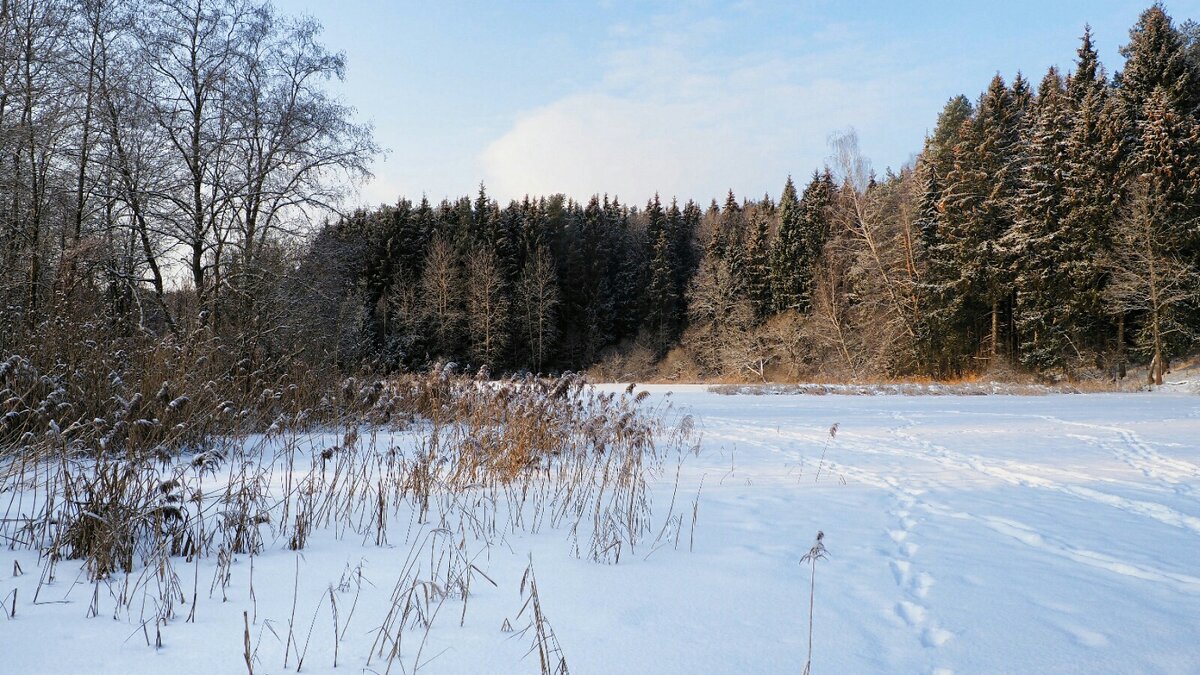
[174,173]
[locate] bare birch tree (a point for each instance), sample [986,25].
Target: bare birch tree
[538,301]
[441,286]
[487,307]
[1150,279]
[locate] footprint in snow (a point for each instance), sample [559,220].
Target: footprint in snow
[920,585]
[912,613]
[935,637]
[902,571]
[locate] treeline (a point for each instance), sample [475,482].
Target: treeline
[161,158]
[1054,228]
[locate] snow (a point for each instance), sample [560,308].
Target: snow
[966,534]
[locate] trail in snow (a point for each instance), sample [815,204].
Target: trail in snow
[889,450]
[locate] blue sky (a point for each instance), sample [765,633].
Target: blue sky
[691,98]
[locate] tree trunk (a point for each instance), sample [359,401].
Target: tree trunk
[1121,346]
[995,327]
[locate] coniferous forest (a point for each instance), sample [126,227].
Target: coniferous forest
[170,169]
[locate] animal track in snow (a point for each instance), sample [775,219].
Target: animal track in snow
[914,586]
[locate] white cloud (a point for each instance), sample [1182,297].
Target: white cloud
[679,116]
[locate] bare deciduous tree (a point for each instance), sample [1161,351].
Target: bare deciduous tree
[442,301]
[875,224]
[1152,280]
[487,307]
[538,300]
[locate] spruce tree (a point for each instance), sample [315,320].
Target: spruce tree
[1047,319]
[1092,177]
[1190,30]
[733,226]
[815,203]
[758,266]
[593,317]
[680,238]
[1169,167]
[686,245]
[936,162]
[626,271]
[939,329]
[787,253]
[1156,57]
[978,202]
[661,299]
[939,147]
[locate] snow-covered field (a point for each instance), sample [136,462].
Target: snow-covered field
[982,534]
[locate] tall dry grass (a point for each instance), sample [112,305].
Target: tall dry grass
[155,483]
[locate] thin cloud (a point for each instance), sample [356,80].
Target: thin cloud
[683,117]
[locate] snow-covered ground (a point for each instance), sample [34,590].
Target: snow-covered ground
[982,534]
